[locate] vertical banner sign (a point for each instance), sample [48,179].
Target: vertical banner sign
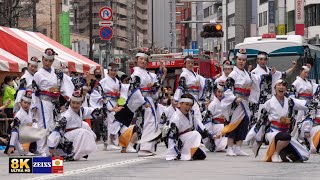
[299,17]
[64,21]
[271,16]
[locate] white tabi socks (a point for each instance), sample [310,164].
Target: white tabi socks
[275,157]
[230,152]
[239,152]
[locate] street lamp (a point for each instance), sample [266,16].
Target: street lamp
[244,29]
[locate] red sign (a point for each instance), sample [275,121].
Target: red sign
[299,17]
[300,29]
[105,13]
[168,64]
[57,165]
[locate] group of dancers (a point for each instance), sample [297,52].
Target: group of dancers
[216,113]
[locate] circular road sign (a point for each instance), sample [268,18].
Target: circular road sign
[106,33]
[105,13]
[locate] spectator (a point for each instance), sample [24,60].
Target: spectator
[23,70]
[5,105]
[8,94]
[94,82]
[170,90]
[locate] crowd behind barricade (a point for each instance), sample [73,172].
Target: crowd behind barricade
[60,113]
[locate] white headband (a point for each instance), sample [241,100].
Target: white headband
[220,87]
[227,66]
[242,56]
[141,55]
[188,59]
[110,68]
[47,56]
[79,99]
[279,81]
[262,56]
[186,100]
[33,62]
[26,99]
[85,87]
[305,68]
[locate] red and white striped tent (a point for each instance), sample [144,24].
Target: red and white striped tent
[25,44]
[10,62]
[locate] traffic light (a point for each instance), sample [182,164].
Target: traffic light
[211,31]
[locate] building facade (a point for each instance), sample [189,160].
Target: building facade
[287,14]
[161,26]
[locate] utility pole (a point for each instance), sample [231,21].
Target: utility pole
[34,15]
[173,25]
[90,30]
[108,42]
[51,33]
[152,36]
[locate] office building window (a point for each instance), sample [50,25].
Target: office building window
[231,44]
[260,19]
[312,15]
[206,12]
[265,18]
[231,21]
[291,21]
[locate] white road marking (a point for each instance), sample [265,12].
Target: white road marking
[94,168]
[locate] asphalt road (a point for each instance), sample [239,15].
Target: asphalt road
[112,165]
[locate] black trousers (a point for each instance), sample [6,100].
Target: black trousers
[97,127]
[9,112]
[240,132]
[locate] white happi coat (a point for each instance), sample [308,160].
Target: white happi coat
[111,88]
[215,126]
[312,126]
[195,86]
[193,82]
[242,80]
[77,131]
[85,102]
[256,89]
[256,85]
[124,91]
[44,116]
[305,89]
[190,140]
[221,80]
[139,97]
[275,112]
[25,119]
[168,111]
[21,92]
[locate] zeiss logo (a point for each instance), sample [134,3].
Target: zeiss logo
[41,165]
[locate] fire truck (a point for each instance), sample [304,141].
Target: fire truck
[204,65]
